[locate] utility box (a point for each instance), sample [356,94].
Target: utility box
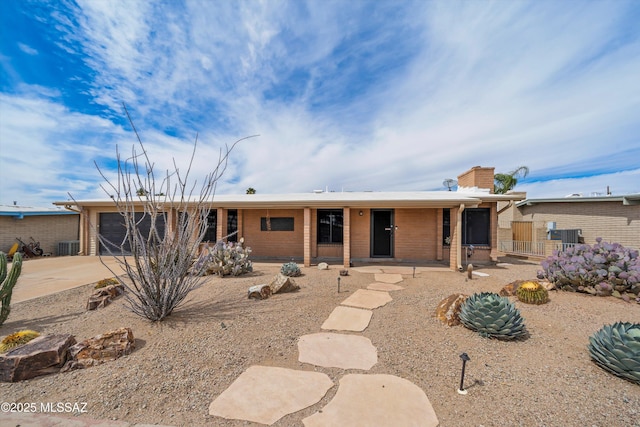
[68,248]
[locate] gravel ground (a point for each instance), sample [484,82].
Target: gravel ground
[181,364]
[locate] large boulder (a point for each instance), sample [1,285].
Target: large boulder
[282,283]
[260,292]
[99,349]
[448,311]
[41,356]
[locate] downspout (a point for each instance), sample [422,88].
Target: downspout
[459,237]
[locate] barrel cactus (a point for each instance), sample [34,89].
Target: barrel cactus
[17,339]
[7,282]
[616,348]
[290,269]
[532,293]
[492,316]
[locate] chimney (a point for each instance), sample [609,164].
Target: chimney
[477,176]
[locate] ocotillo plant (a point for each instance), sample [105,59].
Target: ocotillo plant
[8,282]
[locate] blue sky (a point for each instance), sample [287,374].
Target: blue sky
[345,95]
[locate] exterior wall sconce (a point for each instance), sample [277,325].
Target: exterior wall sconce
[360,213]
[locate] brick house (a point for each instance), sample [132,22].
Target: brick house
[344,227]
[614,218]
[54,228]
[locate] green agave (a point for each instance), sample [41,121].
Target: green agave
[616,348]
[492,316]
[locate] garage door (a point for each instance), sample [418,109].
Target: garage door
[113,231]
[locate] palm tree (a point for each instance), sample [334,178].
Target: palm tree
[251,190]
[504,182]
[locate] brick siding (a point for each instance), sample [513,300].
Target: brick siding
[46,229]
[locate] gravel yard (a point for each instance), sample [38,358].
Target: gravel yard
[181,364]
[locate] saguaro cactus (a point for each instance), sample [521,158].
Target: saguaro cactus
[8,282]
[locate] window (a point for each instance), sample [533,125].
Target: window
[276,224]
[212,226]
[446,227]
[330,225]
[232,225]
[476,226]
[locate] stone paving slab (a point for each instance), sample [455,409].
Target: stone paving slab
[337,351]
[348,319]
[364,298]
[388,278]
[480,274]
[375,400]
[371,269]
[264,394]
[378,286]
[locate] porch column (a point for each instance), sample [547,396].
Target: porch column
[307,237]
[220,224]
[439,219]
[346,237]
[494,232]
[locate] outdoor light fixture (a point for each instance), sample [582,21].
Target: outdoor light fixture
[465,358]
[414,271]
[360,213]
[338,284]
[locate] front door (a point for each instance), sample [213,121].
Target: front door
[382,233]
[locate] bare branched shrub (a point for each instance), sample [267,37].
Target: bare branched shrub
[165,220]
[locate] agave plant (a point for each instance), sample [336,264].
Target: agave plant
[290,269]
[616,348]
[492,316]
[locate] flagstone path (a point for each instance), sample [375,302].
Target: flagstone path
[265,394]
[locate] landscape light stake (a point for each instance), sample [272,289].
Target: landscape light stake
[338,284]
[414,271]
[465,358]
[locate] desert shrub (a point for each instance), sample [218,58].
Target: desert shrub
[17,339]
[106,282]
[290,269]
[602,269]
[226,259]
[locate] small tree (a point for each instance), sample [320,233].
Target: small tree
[160,267]
[504,182]
[251,190]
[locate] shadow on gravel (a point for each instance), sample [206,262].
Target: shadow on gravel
[38,324]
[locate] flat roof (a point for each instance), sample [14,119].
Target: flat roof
[323,199]
[22,211]
[629,199]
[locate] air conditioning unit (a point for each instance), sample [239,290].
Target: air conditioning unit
[70,247]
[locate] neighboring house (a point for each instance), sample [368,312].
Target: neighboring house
[527,226]
[55,228]
[343,227]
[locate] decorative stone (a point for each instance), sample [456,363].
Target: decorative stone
[260,291]
[99,349]
[323,266]
[103,296]
[41,356]
[344,272]
[282,283]
[337,351]
[364,298]
[264,394]
[448,311]
[376,400]
[348,319]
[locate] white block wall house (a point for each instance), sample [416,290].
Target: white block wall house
[344,227]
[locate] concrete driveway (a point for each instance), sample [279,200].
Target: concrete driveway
[45,276]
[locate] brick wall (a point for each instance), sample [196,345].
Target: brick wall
[416,235]
[46,229]
[276,244]
[612,221]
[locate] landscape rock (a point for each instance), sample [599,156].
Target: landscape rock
[99,349]
[448,311]
[260,291]
[282,283]
[103,296]
[323,266]
[41,356]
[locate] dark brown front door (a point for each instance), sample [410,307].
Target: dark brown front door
[382,233]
